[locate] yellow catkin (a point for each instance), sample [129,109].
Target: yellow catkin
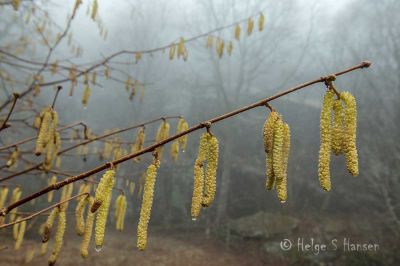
[220,48]
[198,187]
[250,26]
[261,20]
[15,4]
[16,229]
[139,142]
[49,224]
[175,150]
[349,141]
[131,188]
[172,49]
[79,216]
[51,181]
[20,237]
[43,248]
[281,185]
[3,196]
[43,132]
[16,195]
[30,254]
[58,239]
[268,131]
[162,134]
[183,139]
[95,6]
[102,189]
[84,249]
[86,95]
[337,127]
[268,136]
[325,147]
[12,161]
[104,196]
[229,49]
[210,41]
[120,211]
[138,56]
[210,180]
[277,150]
[147,203]
[237,32]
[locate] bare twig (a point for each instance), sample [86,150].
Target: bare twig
[4,124]
[33,215]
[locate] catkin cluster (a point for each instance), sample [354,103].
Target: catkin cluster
[276,135]
[48,139]
[120,211]
[338,134]
[205,174]
[182,126]
[147,203]
[102,203]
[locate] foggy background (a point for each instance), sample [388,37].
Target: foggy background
[302,40]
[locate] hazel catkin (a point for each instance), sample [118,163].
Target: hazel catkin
[349,141]
[281,185]
[104,196]
[59,237]
[210,180]
[84,249]
[325,147]
[20,236]
[79,216]
[337,127]
[147,203]
[198,187]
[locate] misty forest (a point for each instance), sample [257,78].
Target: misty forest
[212,132]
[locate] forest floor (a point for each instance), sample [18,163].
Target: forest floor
[163,249]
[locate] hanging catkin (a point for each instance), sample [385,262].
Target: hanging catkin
[162,134]
[250,26]
[147,203]
[139,142]
[325,147]
[103,196]
[337,127]
[277,151]
[120,211]
[281,185]
[88,231]
[58,239]
[210,41]
[237,32]
[198,187]
[16,195]
[86,95]
[50,182]
[268,136]
[261,22]
[12,161]
[172,49]
[3,196]
[20,236]
[95,6]
[43,132]
[79,216]
[49,224]
[210,181]
[349,141]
